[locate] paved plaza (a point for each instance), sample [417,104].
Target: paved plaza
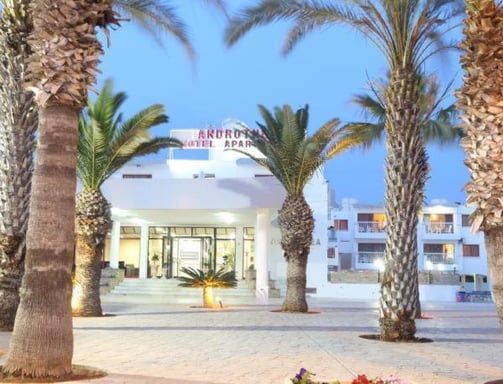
[149,340]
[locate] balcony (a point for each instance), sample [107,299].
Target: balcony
[438,258]
[439,227]
[369,258]
[370,227]
[332,235]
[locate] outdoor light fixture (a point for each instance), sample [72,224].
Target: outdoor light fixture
[76,297]
[379,264]
[429,267]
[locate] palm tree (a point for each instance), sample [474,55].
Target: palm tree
[437,124]
[293,157]
[196,278]
[481,103]
[60,70]
[106,143]
[407,32]
[18,110]
[16,153]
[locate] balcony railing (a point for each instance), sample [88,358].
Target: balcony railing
[439,258]
[438,227]
[370,226]
[369,257]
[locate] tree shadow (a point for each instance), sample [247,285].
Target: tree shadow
[79,372]
[414,340]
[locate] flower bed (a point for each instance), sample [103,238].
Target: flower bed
[306,377]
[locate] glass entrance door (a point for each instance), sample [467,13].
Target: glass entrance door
[189,252]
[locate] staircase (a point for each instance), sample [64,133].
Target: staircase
[169,288]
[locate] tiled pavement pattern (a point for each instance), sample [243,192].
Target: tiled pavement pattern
[148,340]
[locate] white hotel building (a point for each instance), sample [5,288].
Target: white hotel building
[221,211]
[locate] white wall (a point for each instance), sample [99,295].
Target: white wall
[190,194]
[444,293]
[316,193]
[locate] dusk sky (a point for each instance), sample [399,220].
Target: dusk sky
[325,70]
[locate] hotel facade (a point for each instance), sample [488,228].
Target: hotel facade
[220,210]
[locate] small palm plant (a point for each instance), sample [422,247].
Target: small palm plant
[197,278]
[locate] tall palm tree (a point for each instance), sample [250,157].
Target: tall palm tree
[18,110]
[406,32]
[18,121]
[438,125]
[197,278]
[480,99]
[293,157]
[60,71]
[106,143]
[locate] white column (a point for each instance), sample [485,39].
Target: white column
[239,253]
[143,251]
[115,239]
[262,239]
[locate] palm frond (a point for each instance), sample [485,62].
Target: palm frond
[141,148]
[263,13]
[290,154]
[312,16]
[106,144]
[368,133]
[404,31]
[372,107]
[159,18]
[197,278]
[438,124]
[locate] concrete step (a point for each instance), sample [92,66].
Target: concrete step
[169,287]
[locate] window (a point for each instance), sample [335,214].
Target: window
[368,253]
[371,247]
[340,224]
[433,248]
[465,220]
[439,253]
[135,176]
[203,175]
[438,218]
[471,250]
[365,217]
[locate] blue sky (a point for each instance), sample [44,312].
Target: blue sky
[325,71]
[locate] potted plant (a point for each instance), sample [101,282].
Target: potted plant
[155,267]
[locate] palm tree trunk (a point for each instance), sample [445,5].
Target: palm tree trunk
[208,297]
[295,298]
[296,224]
[92,224]
[11,272]
[494,248]
[42,341]
[86,290]
[480,99]
[406,172]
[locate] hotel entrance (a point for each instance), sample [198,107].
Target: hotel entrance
[203,248]
[189,252]
[168,249]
